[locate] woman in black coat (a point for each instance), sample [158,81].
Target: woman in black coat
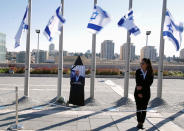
[144,79]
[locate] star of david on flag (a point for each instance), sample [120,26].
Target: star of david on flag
[172,30]
[98,20]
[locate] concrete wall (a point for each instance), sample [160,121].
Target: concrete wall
[173,67]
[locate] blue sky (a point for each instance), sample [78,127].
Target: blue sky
[77,12]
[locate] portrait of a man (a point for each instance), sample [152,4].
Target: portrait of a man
[77,78]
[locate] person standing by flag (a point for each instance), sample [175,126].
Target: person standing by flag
[144,79]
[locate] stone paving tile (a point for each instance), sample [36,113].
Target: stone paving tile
[30,125]
[49,125]
[126,126]
[156,115]
[169,127]
[99,116]
[156,120]
[65,128]
[110,129]
[100,123]
[62,116]
[81,118]
[83,126]
[127,119]
[65,121]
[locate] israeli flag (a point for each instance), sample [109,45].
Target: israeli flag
[23,26]
[128,22]
[172,30]
[98,20]
[55,23]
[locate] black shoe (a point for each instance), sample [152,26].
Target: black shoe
[140,126]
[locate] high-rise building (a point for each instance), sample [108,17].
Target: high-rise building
[123,52]
[53,52]
[20,57]
[11,57]
[43,56]
[51,47]
[88,54]
[148,52]
[182,54]
[2,48]
[107,49]
[65,53]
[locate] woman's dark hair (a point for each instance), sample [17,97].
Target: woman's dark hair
[149,66]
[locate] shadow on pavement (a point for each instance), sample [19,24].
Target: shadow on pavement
[157,102]
[163,122]
[133,129]
[4,106]
[124,101]
[31,116]
[91,102]
[114,122]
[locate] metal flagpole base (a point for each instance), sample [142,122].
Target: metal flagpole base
[15,127]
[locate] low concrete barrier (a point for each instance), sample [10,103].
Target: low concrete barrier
[87,76]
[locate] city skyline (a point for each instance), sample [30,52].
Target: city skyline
[51,55]
[77,17]
[49,50]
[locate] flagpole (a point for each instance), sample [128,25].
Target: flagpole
[93,63]
[127,66]
[60,61]
[27,58]
[161,53]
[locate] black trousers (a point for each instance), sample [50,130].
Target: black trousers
[141,104]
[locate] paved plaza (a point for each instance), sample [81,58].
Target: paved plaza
[109,110]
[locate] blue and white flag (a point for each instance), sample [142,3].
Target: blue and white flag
[128,22]
[23,26]
[98,20]
[172,30]
[55,23]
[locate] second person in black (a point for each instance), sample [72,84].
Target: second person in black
[144,79]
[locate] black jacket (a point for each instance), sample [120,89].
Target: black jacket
[145,83]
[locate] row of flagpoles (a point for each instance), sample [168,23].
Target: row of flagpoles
[99,18]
